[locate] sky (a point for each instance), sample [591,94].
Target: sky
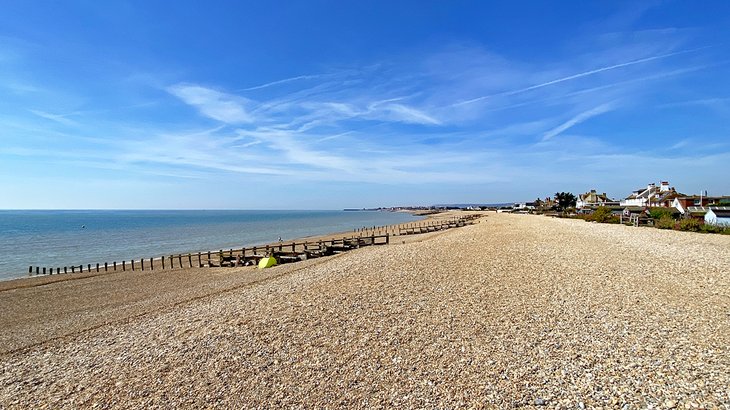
[330,104]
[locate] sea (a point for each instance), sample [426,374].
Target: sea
[79,237]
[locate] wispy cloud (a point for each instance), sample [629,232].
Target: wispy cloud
[710,102]
[214,104]
[583,116]
[59,118]
[406,122]
[284,81]
[578,75]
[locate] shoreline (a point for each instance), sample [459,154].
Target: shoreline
[52,239]
[41,279]
[71,302]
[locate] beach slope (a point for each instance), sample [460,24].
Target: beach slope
[517,310]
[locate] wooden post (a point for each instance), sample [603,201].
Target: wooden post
[65,269]
[190,260]
[141,263]
[30,270]
[132,264]
[88,267]
[254,251]
[200,263]
[106,266]
[179,260]
[97,267]
[124,266]
[115,266]
[44,271]
[208,258]
[387,238]
[172,262]
[152,264]
[73,269]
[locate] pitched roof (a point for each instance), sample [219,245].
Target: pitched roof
[697,210]
[721,211]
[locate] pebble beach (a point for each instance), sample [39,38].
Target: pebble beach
[514,311]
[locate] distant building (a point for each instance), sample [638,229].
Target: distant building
[696,212]
[664,199]
[593,199]
[644,196]
[524,206]
[718,216]
[684,202]
[633,210]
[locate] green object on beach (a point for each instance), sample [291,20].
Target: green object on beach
[267,262]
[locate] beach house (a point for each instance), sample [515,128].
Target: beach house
[718,216]
[695,212]
[664,199]
[644,196]
[593,199]
[682,203]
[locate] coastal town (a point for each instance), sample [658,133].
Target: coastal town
[654,205]
[660,205]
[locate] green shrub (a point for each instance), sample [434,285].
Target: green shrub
[602,214]
[706,228]
[665,222]
[690,224]
[660,212]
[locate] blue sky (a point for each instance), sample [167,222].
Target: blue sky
[325,104]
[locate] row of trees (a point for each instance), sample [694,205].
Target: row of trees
[563,200]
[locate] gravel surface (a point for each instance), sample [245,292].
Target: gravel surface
[516,311]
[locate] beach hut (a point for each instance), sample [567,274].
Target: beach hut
[718,216]
[696,212]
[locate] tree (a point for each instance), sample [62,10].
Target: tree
[565,200]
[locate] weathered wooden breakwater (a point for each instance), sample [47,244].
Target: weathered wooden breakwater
[284,252]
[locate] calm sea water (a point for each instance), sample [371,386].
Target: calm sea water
[65,238]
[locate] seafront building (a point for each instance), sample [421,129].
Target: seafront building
[718,216]
[652,195]
[683,203]
[592,199]
[639,204]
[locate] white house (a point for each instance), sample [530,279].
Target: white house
[524,206]
[643,196]
[718,215]
[592,198]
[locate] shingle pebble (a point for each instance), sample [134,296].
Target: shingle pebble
[516,311]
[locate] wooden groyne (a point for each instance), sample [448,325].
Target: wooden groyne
[284,252]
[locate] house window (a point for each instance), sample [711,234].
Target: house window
[697,202]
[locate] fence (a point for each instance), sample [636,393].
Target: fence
[283,252]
